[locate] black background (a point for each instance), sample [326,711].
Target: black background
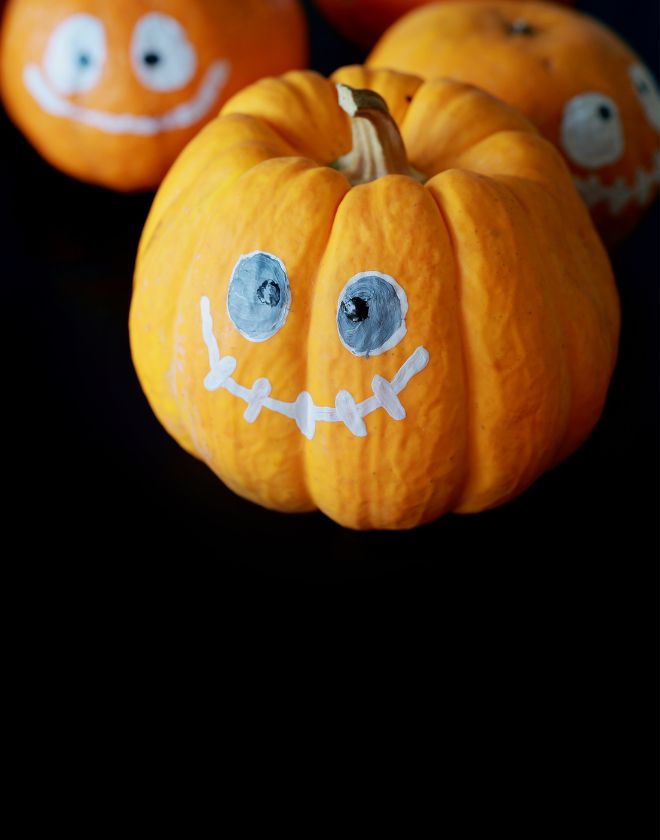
[105,466]
[554,594]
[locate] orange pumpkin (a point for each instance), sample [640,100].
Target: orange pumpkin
[110,91]
[364,21]
[574,79]
[384,326]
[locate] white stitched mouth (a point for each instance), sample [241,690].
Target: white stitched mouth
[303,410]
[179,117]
[618,194]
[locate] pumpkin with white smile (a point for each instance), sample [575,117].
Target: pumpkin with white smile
[383,324]
[110,91]
[580,84]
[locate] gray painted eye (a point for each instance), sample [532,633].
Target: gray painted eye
[647,92]
[591,133]
[259,296]
[371,313]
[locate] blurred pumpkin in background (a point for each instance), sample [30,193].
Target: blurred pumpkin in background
[110,91]
[386,326]
[364,21]
[577,81]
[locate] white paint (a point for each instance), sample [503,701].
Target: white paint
[403,300]
[387,397]
[618,194]
[588,137]
[162,36]
[179,117]
[259,394]
[303,411]
[647,93]
[348,413]
[75,55]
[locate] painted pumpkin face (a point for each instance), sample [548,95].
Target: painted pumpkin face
[575,80]
[111,90]
[327,327]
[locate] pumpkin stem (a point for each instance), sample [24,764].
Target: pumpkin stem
[378,148]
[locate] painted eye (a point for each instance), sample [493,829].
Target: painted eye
[259,296]
[371,313]
[75,54]
[163,57]
[647,92]
[591,132]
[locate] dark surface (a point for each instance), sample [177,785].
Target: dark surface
[549,604]
[107,468]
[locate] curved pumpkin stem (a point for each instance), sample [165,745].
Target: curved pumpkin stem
[378,148]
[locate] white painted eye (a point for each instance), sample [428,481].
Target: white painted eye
[647,93]
[163,57]
[75,54]
[591,132]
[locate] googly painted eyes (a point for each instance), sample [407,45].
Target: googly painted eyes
[163,57]
[259,296]
[591,132]
[371,313]
[647,93]
[371,310]
[75,54]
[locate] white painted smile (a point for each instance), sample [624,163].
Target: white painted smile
[618,194]
[303,410]
[182,116]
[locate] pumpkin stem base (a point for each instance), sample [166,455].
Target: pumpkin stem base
[378,147]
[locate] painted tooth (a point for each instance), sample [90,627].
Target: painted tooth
[644,185]
[304,414]
[590,189]
[348,413]
[258,396]
[220,373]
[386,396]
[618,195]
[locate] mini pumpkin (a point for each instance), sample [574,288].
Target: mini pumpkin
[364,21]
[574,79]
[110,91]
[386,326]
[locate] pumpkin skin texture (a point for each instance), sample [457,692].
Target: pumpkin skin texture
[509,293]
[364,21]
[110,91]
[573,78]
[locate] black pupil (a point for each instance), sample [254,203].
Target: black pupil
[604,111]
[268,293]
[151,58]
[84,60]
[356,309]
[520,27]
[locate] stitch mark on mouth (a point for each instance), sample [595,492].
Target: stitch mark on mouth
[303,410]
[618,194]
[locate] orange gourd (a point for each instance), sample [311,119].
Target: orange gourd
[386,326]
[573,78]
[110,91]
[364,21]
